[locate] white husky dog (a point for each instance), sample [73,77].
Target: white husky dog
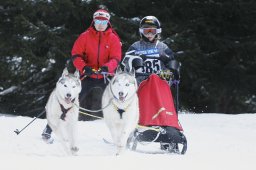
[62,115]
[122,114]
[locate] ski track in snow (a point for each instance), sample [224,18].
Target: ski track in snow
[215,141]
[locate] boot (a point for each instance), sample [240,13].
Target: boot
[46,135]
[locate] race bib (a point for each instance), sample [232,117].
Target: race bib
[150,65]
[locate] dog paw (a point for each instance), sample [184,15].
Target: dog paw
[74,149]
[120,150]
[49,141]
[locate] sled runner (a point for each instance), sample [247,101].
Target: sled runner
[158,115]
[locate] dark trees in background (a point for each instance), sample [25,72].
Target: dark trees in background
[217,38]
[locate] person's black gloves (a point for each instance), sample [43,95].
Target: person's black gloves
[144,57]
[166,74]
[70,66]
[104,69]
[164,58]
[137,63]
[88,71]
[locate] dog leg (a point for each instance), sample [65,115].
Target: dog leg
[116,133]
[72,133]
[124,135]
[113,133]
[61,134]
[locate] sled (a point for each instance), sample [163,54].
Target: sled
[157,134]
[158,114]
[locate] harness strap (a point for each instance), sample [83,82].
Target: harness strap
[119,110]
[138,126]
[157,129]
[94,111]
[84,113]
[64,112]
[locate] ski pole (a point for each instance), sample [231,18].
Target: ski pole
[17,131]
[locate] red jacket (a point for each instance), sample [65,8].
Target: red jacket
[97,49]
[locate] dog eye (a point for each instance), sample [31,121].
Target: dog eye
[65,85]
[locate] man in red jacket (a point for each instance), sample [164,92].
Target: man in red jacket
[97,49]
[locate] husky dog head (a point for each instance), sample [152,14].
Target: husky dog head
[123,85]
[69,86]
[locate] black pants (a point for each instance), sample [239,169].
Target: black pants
[90,96]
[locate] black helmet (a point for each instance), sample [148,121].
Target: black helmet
[149,21]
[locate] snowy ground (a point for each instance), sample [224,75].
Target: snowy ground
[215,141]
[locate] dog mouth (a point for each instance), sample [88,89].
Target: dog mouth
[68,100]
[122,98]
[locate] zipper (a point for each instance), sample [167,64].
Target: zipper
[98,58]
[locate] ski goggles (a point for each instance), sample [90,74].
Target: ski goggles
[100,22]
[153,31]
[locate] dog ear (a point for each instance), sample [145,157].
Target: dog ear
[132,72]
[76,74]
[65,72]
[119,69]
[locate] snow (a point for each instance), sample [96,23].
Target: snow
[215,142]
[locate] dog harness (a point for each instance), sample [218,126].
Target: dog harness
[64,112]
[120,111]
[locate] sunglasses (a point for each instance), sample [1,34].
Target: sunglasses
[102,22]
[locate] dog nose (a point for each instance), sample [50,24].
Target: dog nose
[68,95]
[121,93]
